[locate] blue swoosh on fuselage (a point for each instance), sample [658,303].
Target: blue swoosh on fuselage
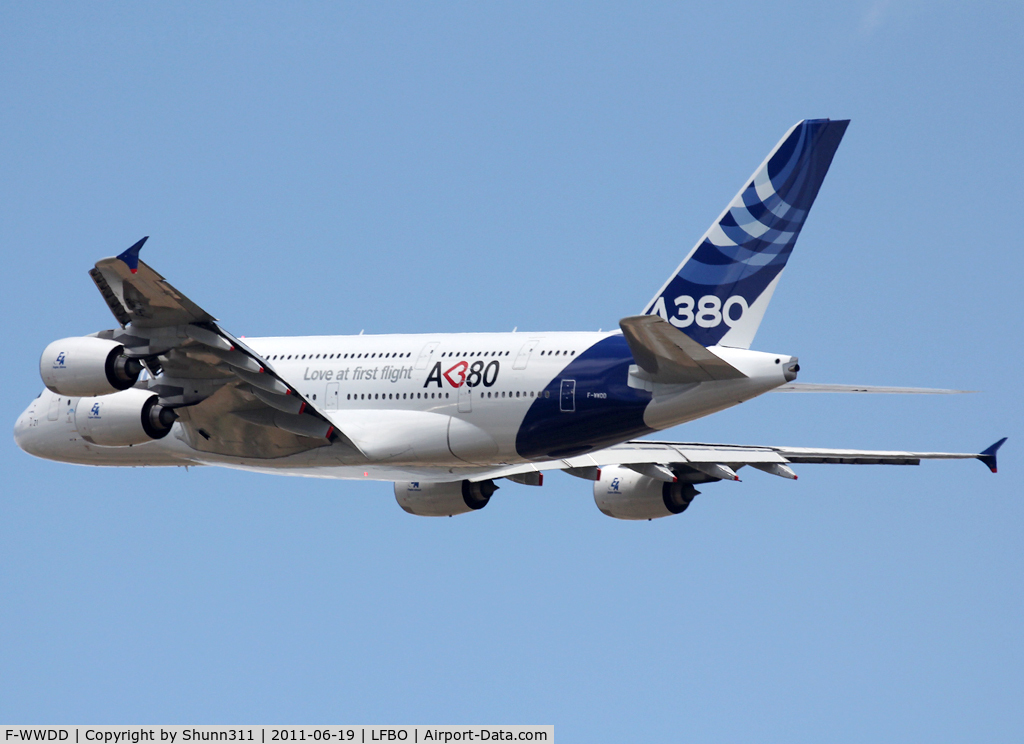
[597,422]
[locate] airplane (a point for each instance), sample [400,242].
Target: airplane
[446,415]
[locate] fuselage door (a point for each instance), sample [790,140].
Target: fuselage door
[523,357]
[332,396]
[567,401]
[465,398]
[54,411]
[426,354]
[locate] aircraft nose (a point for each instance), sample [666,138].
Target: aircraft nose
[23,430]
[20,429]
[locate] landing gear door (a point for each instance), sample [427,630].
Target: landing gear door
[523,357]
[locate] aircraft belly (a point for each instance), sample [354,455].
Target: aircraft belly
[670,407]
[374,472]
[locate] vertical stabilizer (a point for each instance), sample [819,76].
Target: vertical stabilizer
[720,291]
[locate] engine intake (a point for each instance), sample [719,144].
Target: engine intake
[625,494]
[129,417]
[443,499]
[87,366]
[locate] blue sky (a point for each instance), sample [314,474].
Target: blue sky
[404,167]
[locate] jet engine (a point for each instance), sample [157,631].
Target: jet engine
[87,366]
[625,494]
[129,417]
[443,499]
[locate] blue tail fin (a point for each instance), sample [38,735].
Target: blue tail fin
[719,293]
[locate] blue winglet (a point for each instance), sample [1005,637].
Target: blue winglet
[989,456]
[131,256]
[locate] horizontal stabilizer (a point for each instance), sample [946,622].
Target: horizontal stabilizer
[815,387]
[669,356]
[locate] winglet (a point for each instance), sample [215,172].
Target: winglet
[989,456]
[131,256]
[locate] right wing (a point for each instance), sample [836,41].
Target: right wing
[698,462]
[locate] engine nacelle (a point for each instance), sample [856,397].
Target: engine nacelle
[129,417]
[625,494]
[443,499]
[87,366]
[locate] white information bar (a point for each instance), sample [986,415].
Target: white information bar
[10,734]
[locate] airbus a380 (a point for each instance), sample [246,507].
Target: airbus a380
[444,416]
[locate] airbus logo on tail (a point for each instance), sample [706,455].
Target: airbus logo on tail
[708,312]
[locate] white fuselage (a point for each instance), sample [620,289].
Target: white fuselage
[430,406]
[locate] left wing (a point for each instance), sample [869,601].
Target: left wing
[698,463]
[228,398]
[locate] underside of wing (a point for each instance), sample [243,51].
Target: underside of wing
[138,295]
[697,462]
[228,399]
